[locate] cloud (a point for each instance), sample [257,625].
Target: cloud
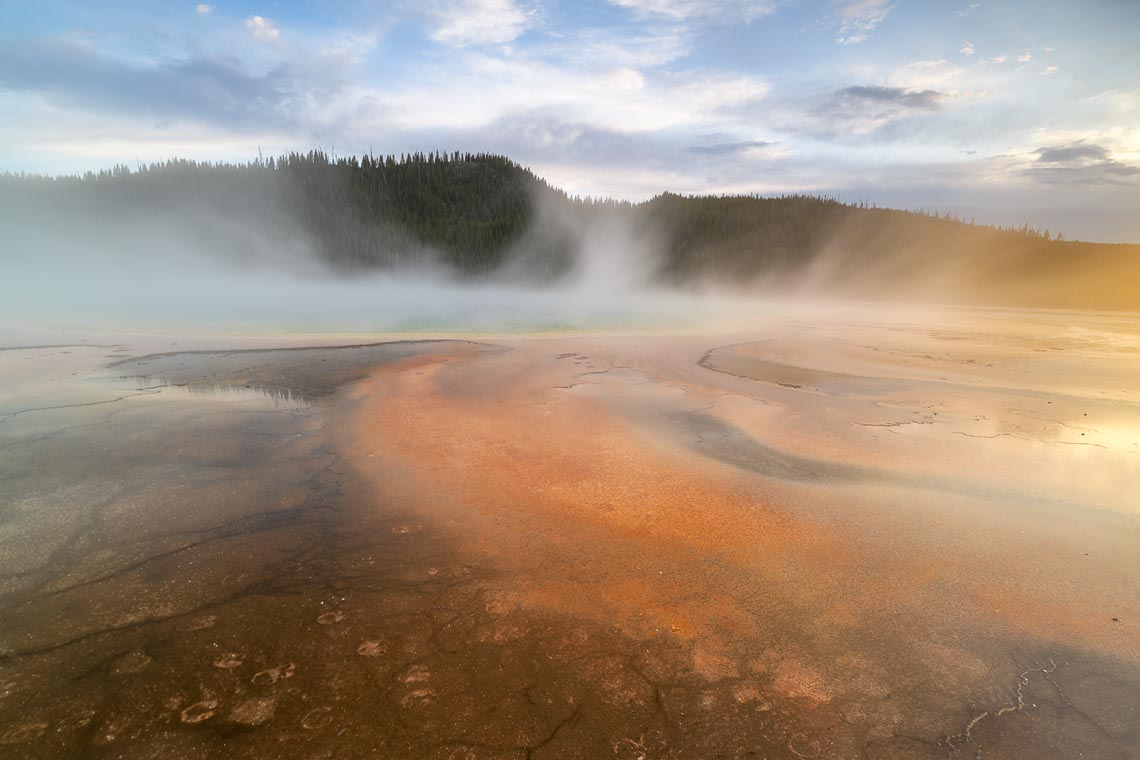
[999,58]
[476,88]
[858,18]
[478,22]
[312,90]
[1025,58]
[963,12]
[208,89]
[1080,162]
[1048,70]
[1074,153]
[967,49]
[861,109]
[657,48]
[871,94]
[204,9]
[695,9]
[937,74]
[728,148]
[262,28]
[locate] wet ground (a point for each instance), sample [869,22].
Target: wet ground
[873,537]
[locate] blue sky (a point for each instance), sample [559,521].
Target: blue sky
[1022,110]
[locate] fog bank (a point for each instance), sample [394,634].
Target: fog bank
[232,248]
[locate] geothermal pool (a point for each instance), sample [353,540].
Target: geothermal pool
[869,532]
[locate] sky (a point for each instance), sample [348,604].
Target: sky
[1006,111]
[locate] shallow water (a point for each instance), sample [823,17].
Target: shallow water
[578,546]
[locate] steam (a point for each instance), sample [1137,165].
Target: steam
[197,267]
[194,265]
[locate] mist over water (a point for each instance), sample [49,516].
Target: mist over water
[191,268]
[196,250]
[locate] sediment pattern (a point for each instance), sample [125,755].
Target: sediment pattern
[571,547]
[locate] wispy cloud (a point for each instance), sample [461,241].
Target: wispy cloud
[963,12]
[207,89]
[475,22]
[487,87]
[967,48]
[204,9]
[858,18]
[695,9]
[654,48]
[728,148]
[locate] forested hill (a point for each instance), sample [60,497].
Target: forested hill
[481,216]
[356,212]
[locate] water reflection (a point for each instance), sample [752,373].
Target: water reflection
[278,397]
